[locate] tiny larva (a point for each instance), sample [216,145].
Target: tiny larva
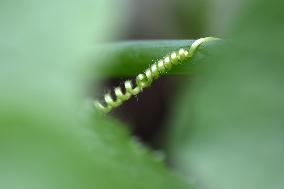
[146,78]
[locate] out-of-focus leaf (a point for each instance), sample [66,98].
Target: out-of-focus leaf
[119,161]
[41,45]
[44,142]
[228,131]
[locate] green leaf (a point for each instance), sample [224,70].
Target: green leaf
[47,139]
[119,161]
[228,131]
[123,59]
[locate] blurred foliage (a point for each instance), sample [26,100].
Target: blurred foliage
[192,16]
[47,138]
[226,131]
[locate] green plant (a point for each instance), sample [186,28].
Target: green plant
[225,130]
[144,80]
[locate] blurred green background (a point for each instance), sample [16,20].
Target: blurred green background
[217,127]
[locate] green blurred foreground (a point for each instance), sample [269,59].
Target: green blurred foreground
[225,132]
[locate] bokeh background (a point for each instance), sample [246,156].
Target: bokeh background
[219,128]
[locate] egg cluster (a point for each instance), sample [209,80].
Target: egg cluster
[145,79]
